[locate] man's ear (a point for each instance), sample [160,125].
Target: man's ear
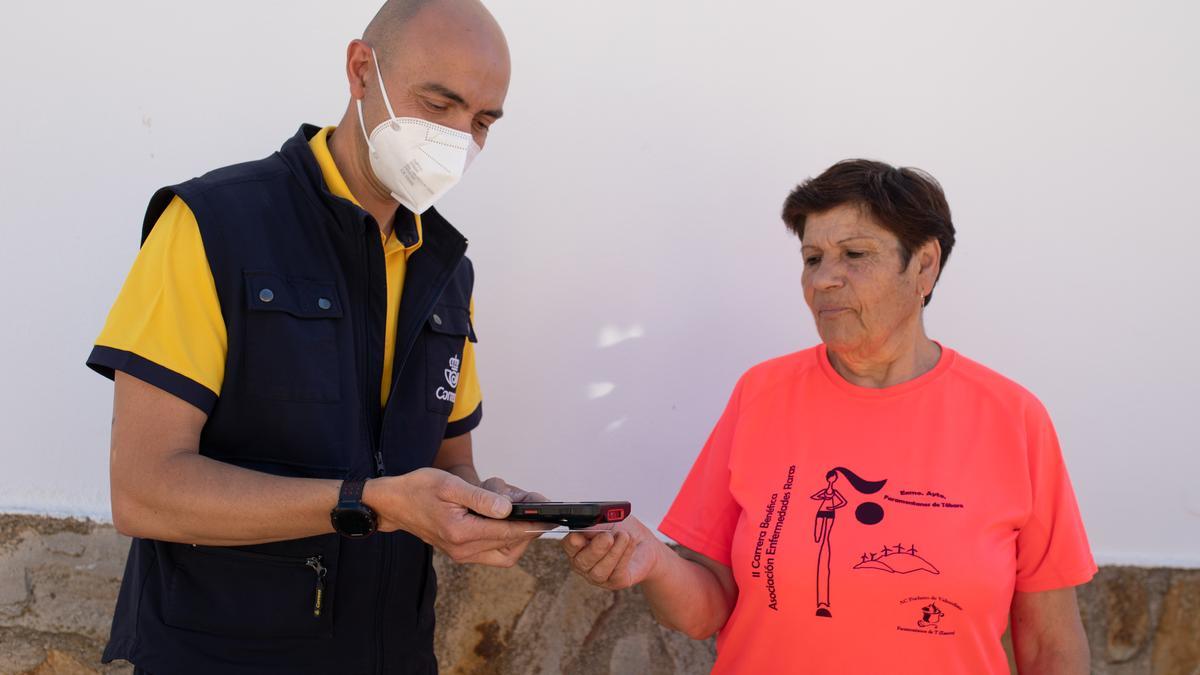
[358,68]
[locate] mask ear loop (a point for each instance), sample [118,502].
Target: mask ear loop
[386,102]
[363,125]
[383,90]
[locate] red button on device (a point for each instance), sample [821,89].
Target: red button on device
[615,515]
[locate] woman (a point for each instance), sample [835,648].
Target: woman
[956,514]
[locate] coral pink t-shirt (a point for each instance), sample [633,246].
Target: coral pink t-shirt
[879,530]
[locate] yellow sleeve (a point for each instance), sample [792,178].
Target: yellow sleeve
[468,404]
[166,326]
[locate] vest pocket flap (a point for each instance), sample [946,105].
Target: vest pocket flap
[268,591]
[302,298]
[452,321]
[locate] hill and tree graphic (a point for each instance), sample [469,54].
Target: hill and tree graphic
[899,560]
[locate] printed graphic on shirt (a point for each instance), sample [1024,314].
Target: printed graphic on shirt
[831,499]
[927,499]
[929,615]
[767,548]
[900,560]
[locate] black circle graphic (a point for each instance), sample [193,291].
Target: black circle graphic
[869,513]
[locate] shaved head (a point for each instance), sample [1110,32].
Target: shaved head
[392,18]
[395,17]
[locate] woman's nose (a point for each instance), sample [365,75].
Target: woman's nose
[827,275]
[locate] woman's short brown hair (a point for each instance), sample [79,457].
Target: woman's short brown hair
[907,202]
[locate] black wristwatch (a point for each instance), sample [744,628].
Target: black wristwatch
[352,518]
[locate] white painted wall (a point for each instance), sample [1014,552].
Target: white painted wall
[634,188]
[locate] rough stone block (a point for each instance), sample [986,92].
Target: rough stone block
[1127,609]
[59,579]
[1177,640]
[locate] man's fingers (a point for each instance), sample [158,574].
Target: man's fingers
[502,556]
[494,484]
[514,493]
[468,535]
[506,531]
[491,558]
[481,501]
[469,550]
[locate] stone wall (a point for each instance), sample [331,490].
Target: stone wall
[59,579]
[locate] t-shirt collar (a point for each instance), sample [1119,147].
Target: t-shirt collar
[406,226]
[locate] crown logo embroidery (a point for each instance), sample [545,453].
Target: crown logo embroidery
[452,371]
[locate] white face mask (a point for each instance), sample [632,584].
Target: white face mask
[417,160]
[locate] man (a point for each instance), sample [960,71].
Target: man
[293,327]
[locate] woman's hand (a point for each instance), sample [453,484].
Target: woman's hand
[686,591]
[617,557]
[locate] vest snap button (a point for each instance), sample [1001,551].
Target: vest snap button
[266,295]
[437,320]
[324,303]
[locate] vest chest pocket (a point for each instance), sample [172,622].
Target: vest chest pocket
[448,330]
[291,346]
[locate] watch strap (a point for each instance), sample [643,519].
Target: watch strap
[352,490]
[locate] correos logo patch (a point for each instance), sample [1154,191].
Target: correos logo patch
[444,394]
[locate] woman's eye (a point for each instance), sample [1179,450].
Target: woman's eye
[812,260]
[855,254]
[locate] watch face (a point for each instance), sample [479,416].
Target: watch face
[353,522]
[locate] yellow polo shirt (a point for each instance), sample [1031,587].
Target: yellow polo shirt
[168,311]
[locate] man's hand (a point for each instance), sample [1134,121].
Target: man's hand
[621,556]
[435,506]
[514,493]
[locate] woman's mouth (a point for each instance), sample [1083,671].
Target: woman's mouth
[831,311]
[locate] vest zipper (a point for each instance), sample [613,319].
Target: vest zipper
[372,230]
[315,563]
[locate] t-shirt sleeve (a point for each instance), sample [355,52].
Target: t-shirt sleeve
[166,327]
[468,402]
[1052,546]
[705,514]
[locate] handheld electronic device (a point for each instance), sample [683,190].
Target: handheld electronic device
[575,515]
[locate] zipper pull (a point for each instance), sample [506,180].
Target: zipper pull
[379,462]
[315,563]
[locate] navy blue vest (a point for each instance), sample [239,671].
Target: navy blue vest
[301,279]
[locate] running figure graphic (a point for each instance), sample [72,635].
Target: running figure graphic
[831,500]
